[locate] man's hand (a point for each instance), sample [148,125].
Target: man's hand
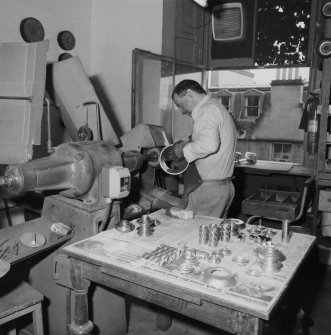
[177,150]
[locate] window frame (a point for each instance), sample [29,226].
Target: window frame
[282,152]
[245,97]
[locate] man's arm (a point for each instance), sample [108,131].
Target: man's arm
[207,140]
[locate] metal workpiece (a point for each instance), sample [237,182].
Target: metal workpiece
[240,260]
[203,235]
[145,230]
[125,226]
[286,230]
[225,231]
[224,251]
[269,257]
[163,254]
[169,164]
[215,258]
[219,277]
[187,260]
[213,236]
[147,220]
[146,226]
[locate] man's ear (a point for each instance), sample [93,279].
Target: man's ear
[190,93]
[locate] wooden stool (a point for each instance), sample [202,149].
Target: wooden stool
[21,300]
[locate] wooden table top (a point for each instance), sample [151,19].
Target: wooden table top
[256,291]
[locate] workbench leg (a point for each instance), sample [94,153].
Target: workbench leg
[248,325]
[163,319]
[81,324]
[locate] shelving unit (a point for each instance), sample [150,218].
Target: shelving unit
[323,159]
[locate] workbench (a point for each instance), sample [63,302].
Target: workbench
[118,260]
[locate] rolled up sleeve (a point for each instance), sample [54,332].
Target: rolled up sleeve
[206,139]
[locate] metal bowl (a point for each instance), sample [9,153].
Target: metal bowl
[219,277]
[170,166]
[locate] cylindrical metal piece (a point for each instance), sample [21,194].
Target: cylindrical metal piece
[286,227]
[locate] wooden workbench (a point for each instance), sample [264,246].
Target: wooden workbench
[115,259]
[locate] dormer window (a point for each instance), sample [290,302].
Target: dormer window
[252,104]
[225,97]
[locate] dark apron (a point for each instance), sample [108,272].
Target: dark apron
[192,180]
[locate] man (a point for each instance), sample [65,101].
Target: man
[211,150]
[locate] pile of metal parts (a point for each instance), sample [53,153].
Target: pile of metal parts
[212,234]
[185,259]
[145,228]
[9,248]
[261,234]
[146,225]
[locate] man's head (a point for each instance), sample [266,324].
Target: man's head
[187,94]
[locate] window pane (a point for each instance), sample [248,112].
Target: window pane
[155,77]
[253,100]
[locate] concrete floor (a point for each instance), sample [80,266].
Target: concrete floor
[310,291]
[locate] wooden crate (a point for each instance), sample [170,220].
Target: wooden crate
[272,204]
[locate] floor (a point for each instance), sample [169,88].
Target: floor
[310,292]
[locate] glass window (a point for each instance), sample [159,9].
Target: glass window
[282,152]
[252,106]
[226,102]
[155,77]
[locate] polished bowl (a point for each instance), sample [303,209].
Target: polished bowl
[171,167]
[219,277]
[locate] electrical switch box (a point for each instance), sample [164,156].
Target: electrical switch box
[116,182]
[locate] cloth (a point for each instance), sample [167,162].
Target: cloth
[213,149]
[212,199]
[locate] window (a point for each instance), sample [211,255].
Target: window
[155,78]
[282,152]
[225,97]
[252,106]
[225,101]
[252,103]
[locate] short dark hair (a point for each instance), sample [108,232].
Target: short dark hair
[182,87]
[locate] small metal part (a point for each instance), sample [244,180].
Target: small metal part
[125,226]
[241,237]
[213,236]
[203,235]
[187,260]
[32,239]
[215,259]
[219,277]
[240,260]
[224,251]
[253,273]
[286,227]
